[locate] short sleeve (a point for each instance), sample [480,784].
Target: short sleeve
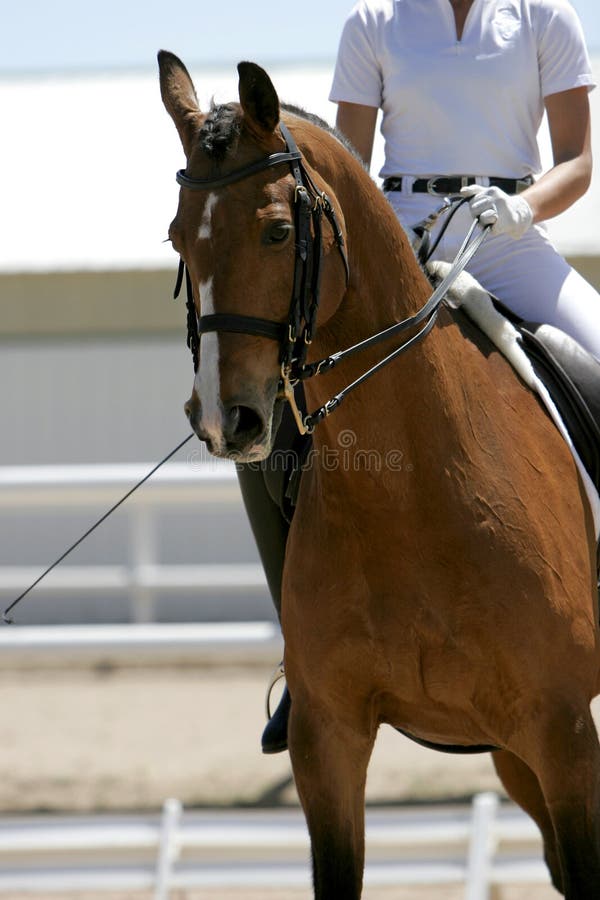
[357,76]
[563,58]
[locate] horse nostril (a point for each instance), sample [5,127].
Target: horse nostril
[242,423]
[248,420]
[191,407]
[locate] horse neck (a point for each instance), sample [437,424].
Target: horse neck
[386,285]
[386,282]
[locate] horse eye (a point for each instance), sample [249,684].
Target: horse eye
[277,233]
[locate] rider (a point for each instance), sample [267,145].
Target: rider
[463,85]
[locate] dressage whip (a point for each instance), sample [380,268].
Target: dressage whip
[5,617]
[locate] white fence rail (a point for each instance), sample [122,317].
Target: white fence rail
[481,847]
[26,646]
[97,487]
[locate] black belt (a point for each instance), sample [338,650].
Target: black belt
[442,185]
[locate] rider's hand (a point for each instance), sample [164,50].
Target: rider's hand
[506,213]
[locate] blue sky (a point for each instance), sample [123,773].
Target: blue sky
[42,35]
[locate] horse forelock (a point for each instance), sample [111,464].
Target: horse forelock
[223,126]
[220,130]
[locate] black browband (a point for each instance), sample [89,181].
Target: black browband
[207,184]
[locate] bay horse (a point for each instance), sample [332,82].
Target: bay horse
[451,594]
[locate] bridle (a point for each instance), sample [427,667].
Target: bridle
[295,335]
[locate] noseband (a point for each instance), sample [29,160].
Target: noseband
[294,336]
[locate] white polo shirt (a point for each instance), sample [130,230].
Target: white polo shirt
[472,106]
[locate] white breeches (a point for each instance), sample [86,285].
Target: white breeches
[528,274]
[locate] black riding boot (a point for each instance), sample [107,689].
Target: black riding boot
[274,736]
[260,487]
[270,531]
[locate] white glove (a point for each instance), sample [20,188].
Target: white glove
[506,213]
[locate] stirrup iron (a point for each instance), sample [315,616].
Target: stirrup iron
[277,675]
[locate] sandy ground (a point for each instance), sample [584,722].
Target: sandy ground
[125,739]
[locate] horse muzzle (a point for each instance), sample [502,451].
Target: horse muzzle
[239,430]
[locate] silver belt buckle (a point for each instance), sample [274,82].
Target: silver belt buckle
[431,183]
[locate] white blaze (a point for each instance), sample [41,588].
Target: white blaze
[205,230]
[207,382]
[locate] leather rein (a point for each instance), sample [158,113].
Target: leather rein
[295,335]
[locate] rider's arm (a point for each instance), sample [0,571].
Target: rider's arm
[569,178]
[357,124]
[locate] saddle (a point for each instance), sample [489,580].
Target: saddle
[570,374]
[572,377]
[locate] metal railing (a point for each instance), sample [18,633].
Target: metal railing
[482,847]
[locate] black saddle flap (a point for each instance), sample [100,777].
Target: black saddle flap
[572,376]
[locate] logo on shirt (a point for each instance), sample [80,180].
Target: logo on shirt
[506,22]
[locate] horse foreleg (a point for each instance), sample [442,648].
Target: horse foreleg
[330,762]
[566,759]
[523,787]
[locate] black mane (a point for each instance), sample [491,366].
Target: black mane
[310,117]
[321,123]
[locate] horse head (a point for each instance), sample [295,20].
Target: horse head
[236,231]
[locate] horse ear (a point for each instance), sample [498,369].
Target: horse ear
[179,96]
[258,97]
